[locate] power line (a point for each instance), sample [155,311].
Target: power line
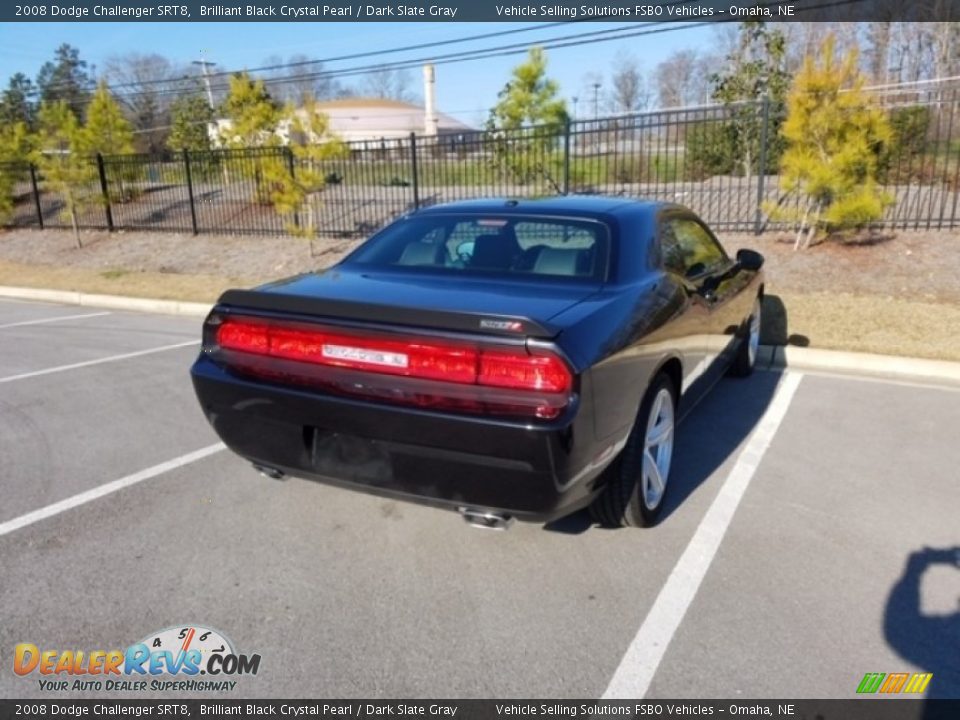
[352,56]
[389,51]
[556,42]
[575,40]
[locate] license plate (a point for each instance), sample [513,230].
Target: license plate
[371,357]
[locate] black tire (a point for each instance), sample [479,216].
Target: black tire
[622,503]
[744,362]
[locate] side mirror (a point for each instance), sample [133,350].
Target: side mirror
[749,260]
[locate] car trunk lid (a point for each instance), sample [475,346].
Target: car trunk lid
[475,305]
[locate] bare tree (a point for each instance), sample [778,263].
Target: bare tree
[146,81]
[877,51]
[299,79]
[628,87]
[391,83]
[805,38]
[677,80]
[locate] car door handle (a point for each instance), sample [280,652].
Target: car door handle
[708,295]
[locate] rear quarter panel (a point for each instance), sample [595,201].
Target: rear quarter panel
[622,335]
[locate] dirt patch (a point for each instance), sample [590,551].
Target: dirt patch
[254,258]
[908,264]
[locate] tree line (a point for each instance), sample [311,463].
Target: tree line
[166,102]
[65,118]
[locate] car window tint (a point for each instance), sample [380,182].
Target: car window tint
[511,245]
[688,249]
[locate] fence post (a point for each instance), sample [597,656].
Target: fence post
[105,191]
[413,167]
[193,207]
[566,157]
[762,168]
[293,178]
[36,194]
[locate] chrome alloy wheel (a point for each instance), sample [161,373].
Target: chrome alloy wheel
[753,341]
[657,449]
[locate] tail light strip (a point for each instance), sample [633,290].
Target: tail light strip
[544,376]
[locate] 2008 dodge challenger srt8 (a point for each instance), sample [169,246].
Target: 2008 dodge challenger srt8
[504,358]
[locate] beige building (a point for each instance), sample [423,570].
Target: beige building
[370,119]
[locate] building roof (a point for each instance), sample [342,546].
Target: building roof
[374,117]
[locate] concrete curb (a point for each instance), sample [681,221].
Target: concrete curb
[940,372]
[841,362]
[112,302]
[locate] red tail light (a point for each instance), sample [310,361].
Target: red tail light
[418,358]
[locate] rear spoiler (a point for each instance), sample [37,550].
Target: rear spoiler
[326,309]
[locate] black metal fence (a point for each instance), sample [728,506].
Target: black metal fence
[720,161]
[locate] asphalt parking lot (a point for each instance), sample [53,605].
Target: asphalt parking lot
[812,535]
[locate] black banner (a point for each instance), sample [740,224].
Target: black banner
[475,10]
[852,709]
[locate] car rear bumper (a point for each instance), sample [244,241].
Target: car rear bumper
[533,471]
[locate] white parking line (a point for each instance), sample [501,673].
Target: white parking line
[88,363]
[111,487]
[53,319]
[633,676]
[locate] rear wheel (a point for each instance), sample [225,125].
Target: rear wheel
[746,358]
[637,479]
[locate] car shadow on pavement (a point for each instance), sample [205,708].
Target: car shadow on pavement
[928,640]
[713,431]
[706,437]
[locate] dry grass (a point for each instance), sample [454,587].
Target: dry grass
[164,286]
[884,325]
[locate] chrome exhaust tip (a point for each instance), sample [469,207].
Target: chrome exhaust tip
[269,472]
[486,519]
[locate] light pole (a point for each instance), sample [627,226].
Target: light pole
[206,78]
[596,100]
[575,99]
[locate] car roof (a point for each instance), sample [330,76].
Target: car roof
[585,205]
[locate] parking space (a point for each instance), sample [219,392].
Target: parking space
[346,595]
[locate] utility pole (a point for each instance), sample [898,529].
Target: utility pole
[206,77]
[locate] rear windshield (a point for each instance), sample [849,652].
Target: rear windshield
[507,246]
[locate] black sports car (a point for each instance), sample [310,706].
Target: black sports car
[505,358]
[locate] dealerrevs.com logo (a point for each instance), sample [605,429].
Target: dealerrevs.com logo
[187,657]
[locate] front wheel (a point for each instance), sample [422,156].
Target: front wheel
[637,479]
[746,358]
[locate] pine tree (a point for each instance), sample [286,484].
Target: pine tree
[16,143]
[64,168]
[16,103]
[834,136]
[297,179]
[252,114]
[756,71]
[66,79]
[526,121]
[106,131]
[190,119]
[252,119]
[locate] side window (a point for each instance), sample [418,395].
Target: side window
[688,249]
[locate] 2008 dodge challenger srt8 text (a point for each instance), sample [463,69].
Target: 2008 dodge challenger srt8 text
[505,358]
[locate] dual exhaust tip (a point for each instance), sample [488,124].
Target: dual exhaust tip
[269,472]
[484,519]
